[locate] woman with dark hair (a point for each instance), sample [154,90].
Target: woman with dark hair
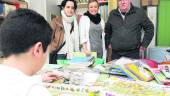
[68,24]
[92,35]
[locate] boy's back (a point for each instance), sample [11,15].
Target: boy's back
[24,39]
[15,83]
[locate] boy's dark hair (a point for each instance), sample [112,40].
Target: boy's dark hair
[63,3]
[21,29]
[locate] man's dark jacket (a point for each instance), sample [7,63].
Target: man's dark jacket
[125,35]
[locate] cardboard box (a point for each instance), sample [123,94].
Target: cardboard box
[149,2]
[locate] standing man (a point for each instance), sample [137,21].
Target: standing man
[123,30]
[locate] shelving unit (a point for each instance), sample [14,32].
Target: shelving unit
[11,2]
[22,3]
[8,5]
[82,5]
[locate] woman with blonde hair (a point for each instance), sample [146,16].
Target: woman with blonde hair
[92,35]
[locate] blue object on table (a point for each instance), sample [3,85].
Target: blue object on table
[159,54]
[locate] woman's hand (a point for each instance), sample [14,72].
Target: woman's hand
[87,52]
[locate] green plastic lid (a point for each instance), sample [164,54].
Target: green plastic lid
[62,61]
[99,61]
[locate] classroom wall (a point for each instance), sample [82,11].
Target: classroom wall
[45,7]
[52,8]
[39,6]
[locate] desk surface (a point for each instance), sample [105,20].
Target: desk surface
[109,85]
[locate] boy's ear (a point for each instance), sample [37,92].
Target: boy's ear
[37,49]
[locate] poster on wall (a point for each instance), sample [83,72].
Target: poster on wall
[152,14]
[112,4]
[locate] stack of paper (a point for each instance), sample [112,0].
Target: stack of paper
[81,61]
[133,69]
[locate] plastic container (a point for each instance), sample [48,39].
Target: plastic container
[62,62]
[99,61]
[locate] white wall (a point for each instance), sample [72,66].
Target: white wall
[52,8]
[44,7]
[39,6]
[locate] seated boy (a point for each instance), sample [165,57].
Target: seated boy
[24,39]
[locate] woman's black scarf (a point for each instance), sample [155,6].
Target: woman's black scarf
[94,18]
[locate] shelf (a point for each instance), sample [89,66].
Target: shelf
[82,5]
[22,4]
[11,2]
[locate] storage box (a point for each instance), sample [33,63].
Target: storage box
[159,54]
[149,2]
